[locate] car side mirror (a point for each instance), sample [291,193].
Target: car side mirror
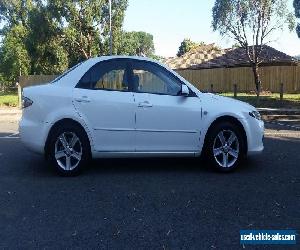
[184,90]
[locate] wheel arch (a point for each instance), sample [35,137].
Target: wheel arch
[233,120]
[64,122]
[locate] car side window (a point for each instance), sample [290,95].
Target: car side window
[107,75]
[151,78]
[112,80]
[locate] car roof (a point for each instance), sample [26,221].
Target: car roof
[104,58]
[73,75]
[72,78]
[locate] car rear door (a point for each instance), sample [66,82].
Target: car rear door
[103,100]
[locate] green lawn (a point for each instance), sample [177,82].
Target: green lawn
[270,100]
[8,99]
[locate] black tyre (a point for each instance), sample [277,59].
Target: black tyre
[69,149]
[224,146]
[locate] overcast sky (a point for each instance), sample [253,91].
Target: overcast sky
[170,21]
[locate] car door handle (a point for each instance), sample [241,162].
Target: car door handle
[83,99]
[145,104]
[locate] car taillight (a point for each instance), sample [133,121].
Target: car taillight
[26,102]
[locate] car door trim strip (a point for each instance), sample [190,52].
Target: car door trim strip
[148,130]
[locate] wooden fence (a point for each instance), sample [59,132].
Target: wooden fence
[223,79]
[31,80]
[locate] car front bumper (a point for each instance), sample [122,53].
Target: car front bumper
[255,136]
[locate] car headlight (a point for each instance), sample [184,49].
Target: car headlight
[256,115]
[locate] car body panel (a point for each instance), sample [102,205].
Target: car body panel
[167,123]
[118,127]
[111,117]
[215,106]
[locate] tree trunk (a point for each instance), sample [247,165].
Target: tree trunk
[257,81]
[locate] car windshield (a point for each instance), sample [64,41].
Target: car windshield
[66,72]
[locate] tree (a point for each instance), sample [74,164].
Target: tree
[85,25]
[297,14]
[118,13]
[145,44]
[47,37]
[14,58]
[14,12]
[251,23]
[36,33]
[186,45]
[137,44]
[54,35]
[44,42]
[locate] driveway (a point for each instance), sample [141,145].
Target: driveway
[147,203]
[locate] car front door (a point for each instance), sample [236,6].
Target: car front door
[166,121]
[103,99]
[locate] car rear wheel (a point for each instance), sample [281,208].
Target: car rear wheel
[69,150]
[225,146]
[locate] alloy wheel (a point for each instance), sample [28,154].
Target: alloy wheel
[226,148]
[68,151]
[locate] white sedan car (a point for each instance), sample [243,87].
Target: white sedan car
[134,107]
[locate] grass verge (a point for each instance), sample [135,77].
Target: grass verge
[8,99]
[290,101]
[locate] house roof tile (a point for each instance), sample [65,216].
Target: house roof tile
[211,56]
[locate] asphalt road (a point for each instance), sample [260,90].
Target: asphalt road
[147,203]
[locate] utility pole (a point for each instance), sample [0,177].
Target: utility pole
[110,31]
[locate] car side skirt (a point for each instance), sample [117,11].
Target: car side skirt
[97,154]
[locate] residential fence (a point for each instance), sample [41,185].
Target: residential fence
[274,79]
[224,79]
[31,80]
[5,89]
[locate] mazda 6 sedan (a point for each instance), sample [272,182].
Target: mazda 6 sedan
[134,107]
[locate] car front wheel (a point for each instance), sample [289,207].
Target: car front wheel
[225,146]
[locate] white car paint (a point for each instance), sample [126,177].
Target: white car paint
[130,124]
[176,128]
